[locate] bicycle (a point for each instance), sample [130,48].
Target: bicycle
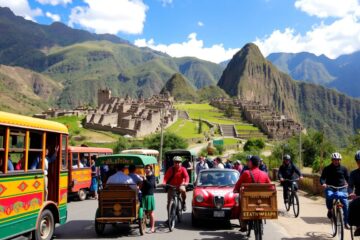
[257,226]
[353,227]
[337,220]
[175,208]
[292,198]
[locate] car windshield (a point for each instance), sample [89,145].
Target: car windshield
[217,178]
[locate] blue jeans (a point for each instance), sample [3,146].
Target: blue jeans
[340,194]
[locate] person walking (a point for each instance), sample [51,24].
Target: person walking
[148,200]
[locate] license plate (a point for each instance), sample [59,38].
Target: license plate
[219,214]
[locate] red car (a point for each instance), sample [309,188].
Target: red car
[213,196]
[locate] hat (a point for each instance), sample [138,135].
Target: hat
[177,159]
[237,162]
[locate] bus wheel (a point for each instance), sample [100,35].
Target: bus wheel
[45,226]
[82,194]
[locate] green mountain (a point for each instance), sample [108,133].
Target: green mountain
[210,92]
[249,75]
[84,62]
[26,92]
[180,89]
[340,73]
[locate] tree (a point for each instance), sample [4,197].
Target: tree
[229,111]
[121,144]
[171,141]
[254,144]
[200,127]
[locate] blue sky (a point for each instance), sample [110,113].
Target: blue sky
[210,29]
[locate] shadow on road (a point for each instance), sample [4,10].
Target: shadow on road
[312,236]
[316,220]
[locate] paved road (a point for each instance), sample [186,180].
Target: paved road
[80,225]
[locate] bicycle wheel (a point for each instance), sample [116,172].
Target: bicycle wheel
[340,224]
[288,203]
[295,204]
[258,229]
[171,215]
[179,211]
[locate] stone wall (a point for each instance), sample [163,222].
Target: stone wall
[270,122]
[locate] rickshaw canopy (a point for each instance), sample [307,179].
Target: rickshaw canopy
[180,152]
[126,159]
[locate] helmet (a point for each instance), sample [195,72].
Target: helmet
[336,155]
[248,157]
[357,156]
[286,157]
[177,159]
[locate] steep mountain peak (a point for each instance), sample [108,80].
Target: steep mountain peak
[6,12]
[250,51]
[179,88]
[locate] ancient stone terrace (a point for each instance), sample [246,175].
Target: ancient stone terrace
[127,116]
[273,124]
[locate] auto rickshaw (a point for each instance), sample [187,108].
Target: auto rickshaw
[185,155]
[119,203]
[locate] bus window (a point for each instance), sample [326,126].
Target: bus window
[75,159]
[17,149]
[2,150]
[35,151]
[63,153]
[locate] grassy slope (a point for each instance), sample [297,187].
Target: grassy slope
[187,129]
[79,135]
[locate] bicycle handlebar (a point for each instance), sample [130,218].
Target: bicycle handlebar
[172,186]
[331,186]
[291,180]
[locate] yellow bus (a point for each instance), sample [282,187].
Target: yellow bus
[147,152]
[33,176]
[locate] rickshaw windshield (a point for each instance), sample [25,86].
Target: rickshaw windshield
[126,159]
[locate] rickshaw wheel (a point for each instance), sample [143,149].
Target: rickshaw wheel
[99,228]
[82,195]
[142,225]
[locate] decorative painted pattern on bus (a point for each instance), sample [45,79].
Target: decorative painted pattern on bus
[63,188]
[81,178]
[19,195]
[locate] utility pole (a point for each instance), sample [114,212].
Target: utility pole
[161,137]
[300,149]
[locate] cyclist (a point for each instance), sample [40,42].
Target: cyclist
[178,177]
[252,175]
[287,171]
[337,176]
[354,207]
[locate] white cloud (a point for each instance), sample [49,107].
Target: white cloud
[22,8]
[340,36]
[327,8]
[200,24]
[166,2]
[192,47]
[54,17]
[110,16]
[54,2]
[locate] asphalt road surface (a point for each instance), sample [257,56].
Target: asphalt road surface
[80,225]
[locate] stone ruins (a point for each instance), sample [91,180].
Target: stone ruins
[270,122]
[134,117]
[54,112]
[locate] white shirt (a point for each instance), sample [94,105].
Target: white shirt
[220,165]
[119,178]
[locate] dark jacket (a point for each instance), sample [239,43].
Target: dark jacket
[337,176]
[148,185]
[288,171]
[354,182]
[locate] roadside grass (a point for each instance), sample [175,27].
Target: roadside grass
[246,128]
[187,128]
[230,141]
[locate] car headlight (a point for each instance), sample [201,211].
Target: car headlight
[199,198]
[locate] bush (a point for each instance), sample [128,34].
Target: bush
[219,149]
[121,144]
[254,144]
